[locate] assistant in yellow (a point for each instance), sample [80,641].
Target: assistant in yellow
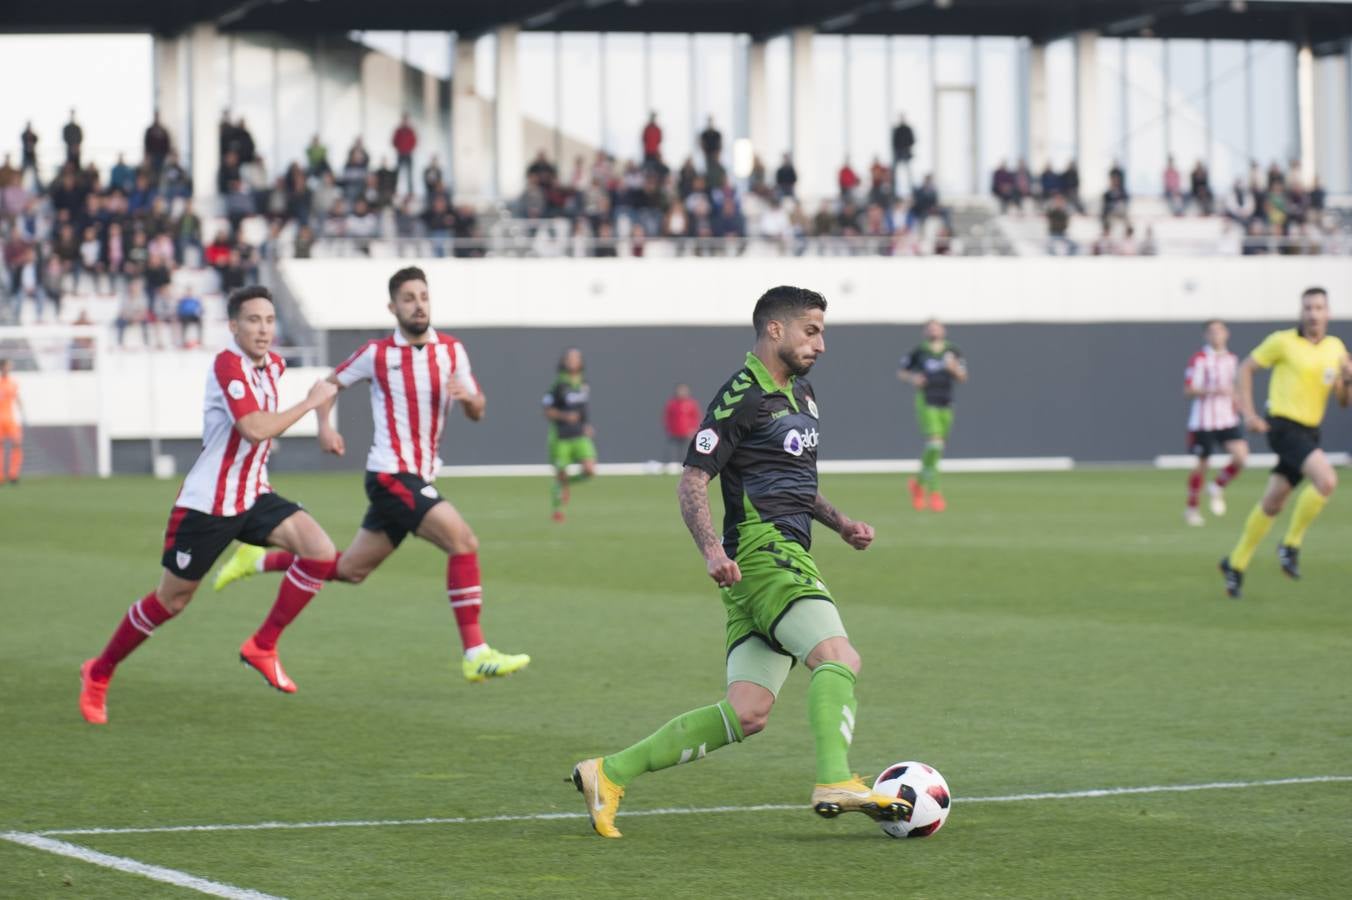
[1307,365]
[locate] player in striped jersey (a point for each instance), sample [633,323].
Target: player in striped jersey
[1213,420]
[226,497]
[416,374]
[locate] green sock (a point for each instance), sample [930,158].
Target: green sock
[580,476]
[686,738]
[556,495]
[830,712]
[929,464]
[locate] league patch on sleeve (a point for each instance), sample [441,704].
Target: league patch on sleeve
[235,389]
[706,441]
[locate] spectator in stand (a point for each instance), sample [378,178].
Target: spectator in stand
[439,223]
[1173,188]
[122,176]
[1049,183]
[680,420]
[188,314]
[1070,186]
[1115,198]
[355,170]
[434,182]
[243,142]
[925,203]
[405,140]
[1023,183]
[73,135]
[28,145]
[175,182]
[1057,227]
[188,232]
[786,177]
[1238,205]
[711,144]
[729,222]
[316,158]
[1103,244]
[1002,187]
[91,253]
[1318,197]
[880,182]
[652,141]
[156,144]
[387,184]
[1256,241]
[903,148]
[847,179]
[305,241]
[1200,193]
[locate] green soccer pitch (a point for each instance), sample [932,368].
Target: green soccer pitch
[1056,633]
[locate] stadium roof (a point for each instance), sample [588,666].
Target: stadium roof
[1327,22]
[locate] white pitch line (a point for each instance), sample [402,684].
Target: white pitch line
[687,811]
[133,867]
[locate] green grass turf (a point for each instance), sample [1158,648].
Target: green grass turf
[1051,632]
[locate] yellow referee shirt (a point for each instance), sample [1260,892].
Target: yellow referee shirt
[1302,374]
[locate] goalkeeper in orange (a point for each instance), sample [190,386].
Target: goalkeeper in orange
[11,426]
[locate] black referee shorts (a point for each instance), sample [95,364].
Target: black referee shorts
[1293,443]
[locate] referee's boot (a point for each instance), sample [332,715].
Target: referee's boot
[1234,578]
[1289,557]
[830,800]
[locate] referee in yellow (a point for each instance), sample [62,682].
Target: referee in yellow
[1307,363]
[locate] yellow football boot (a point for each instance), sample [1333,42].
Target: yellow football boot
[602,796]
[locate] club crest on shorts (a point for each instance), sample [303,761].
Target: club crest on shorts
[183,559]
[706,441]
[429,492]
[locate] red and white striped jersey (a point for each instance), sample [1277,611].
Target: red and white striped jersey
[409,402]
[1209,370]
[231,472]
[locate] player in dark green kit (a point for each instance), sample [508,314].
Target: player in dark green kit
[568,409]
[760,435]
[935,366]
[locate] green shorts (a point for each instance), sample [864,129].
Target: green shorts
[565,451]
[774,577]
[934,421]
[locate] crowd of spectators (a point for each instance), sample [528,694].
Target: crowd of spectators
[610,207]
[1270,211]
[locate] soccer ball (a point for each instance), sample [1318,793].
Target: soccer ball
[925,788]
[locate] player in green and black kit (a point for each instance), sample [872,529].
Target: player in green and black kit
[761,434]
[934,367]
[567,407]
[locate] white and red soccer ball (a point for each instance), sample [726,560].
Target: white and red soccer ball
[925,789]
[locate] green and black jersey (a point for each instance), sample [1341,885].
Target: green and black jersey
[939,382]
[569,394]
[762,439]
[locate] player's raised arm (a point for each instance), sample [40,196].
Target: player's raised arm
[463,387]
[261,425]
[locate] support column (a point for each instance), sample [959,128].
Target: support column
[470,146]
[171,88]
[1305,109]
[1088,133]
[801,111]
[758,102]
[204,110]
[509,131]
[1039,132]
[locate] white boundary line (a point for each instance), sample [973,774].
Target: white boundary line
[131,866]
[1256,460]
[686,811]
[829,466]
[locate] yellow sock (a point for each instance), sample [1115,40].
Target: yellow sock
[1308,506]
[1255,529]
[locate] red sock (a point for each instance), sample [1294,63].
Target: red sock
[278,561]
[1194,488]
[1227,475]
[141,620]
[462,586]
[303,580]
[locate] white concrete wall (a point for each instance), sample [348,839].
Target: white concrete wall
[350,293]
